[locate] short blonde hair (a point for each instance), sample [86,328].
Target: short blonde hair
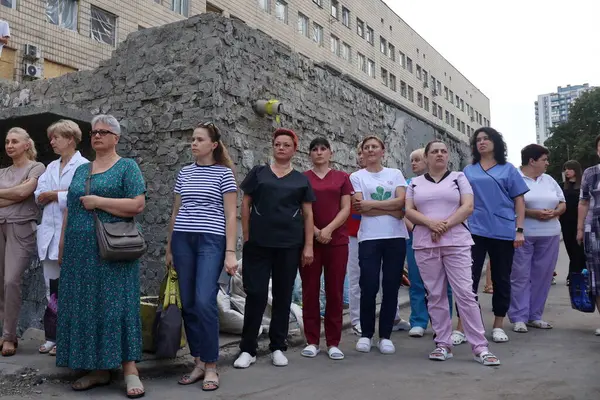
[418,153]
[67,129]
[31,151]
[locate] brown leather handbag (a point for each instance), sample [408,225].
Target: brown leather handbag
[117,241]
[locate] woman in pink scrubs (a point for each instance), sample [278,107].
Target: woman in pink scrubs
[438,204]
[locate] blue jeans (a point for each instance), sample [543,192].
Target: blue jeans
[198,259]
[375,257]
[419,316]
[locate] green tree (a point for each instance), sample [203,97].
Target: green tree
[574,139]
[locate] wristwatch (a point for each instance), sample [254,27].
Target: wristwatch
[519,230]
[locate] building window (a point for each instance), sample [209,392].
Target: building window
[281,11]
[346,17]
[445,92]
[452,120]
[9,3]
[411,94]
[439,87]
[469,130]
[393,85]
[458,124]
[403,91]
[432,82]
[448,117]
[335,45]
[317,33]
[485,122]
[346,52]
[451,95]
[334,9]
[318,2]
[440,112]
[360,28]
[392,52]
[403,59]
[384,77]
[62,13]
[103,26]
[462,126]
[303,24]
[370,35]
[457,100]
[462,105]
[419,72]
[409,65]
[362,62]
[426,103]
[425,79]
[434,108]
[182,7]
[420,99]
[383,45]
[371,68]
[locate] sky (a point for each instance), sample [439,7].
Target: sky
[512,50]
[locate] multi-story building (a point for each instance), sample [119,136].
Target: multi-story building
[552,109]
[364,39]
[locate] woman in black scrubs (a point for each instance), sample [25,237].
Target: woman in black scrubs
[278,229]
[568,221]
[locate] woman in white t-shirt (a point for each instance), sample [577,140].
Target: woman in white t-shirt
[379,198]
[534,262]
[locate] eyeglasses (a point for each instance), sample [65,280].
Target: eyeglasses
[101,132]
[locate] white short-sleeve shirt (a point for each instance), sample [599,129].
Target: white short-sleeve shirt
[4,32]
[379,186]
[544,194]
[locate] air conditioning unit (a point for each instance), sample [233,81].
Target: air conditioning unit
[32,52]
[32,71]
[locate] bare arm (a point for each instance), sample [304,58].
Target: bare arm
[122,207]
[229,202]
[246,206]
[342,215]
[582,211]
[4,40]
[176,207]
[20,192]
[414,216]
[6,203]
[560,209]
[463,212]
[520,210]
[307,213]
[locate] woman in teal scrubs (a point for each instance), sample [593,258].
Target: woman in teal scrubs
[497,220]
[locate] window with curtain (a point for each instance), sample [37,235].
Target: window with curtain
[62,13]
[181,7]
[103,26]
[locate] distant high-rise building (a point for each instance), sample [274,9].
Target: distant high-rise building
[552,109]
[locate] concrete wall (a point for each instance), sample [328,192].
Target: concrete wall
[162,81]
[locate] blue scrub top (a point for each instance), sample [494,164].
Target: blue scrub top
[494,192]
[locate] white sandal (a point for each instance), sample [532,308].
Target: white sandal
[335,353]
[539,324]
[133,382]
[499,336]
[310,351]
[458,338]
[487,358]
[440,354]
[46,347]
[520,327]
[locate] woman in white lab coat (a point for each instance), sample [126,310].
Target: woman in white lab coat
[51,195]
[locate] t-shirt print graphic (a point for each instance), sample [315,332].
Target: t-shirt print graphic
[380,194]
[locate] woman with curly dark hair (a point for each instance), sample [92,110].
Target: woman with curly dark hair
[497,220]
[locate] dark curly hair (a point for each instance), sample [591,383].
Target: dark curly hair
[496,138]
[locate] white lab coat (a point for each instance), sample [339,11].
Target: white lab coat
[48,232]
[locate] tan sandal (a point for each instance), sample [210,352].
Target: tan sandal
[193,377]
[9,352]
[210,385]
[133,382]
[489,289]
[52,352]
[92,380]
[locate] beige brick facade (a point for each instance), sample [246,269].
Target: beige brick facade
[463,107]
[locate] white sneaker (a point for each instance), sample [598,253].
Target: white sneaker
[386,346]
[364,345]
[416,331]
[244,361]
[356,329]
[401,325]
[279,359]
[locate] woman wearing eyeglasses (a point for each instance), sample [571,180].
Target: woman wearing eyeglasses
[99,326]
[203,236]
[278,229]
[18,215]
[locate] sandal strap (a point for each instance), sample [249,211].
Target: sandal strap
[133,382]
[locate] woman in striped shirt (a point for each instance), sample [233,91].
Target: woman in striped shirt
[204,235]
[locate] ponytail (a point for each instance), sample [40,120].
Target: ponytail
[221,155]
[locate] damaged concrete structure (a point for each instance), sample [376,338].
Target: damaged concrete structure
[161,82]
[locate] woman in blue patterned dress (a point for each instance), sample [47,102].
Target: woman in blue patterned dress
[99,326]
[588,224]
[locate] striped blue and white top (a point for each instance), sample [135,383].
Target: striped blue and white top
[201,189]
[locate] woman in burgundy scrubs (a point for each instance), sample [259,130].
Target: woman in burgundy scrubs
[332,189]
